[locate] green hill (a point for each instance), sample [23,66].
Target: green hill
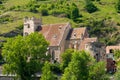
[103,23]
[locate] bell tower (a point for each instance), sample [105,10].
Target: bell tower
[31,25]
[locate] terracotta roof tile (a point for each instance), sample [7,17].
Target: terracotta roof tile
[77,33]
[86,41]
[54,33]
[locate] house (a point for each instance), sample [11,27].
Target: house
[111,63]
[61,37]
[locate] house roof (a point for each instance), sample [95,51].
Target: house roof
[53,33]
[77,33]
[86,41]
[108,48]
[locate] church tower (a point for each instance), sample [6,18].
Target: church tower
[31,25]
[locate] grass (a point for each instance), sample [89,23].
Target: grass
[11,3]
[19,16]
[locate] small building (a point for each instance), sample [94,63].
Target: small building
[111,63]
[61,37]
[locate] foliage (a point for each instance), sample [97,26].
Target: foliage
[55,9]
[6,18]
[90,7]
[56,68]
[44,12]
[78,67]
[46,72]
[116,54]
[97,71]
[23,55]
[101,28]
[118,6]
[66,58]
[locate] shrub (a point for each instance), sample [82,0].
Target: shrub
[0,2]
[118,6]
[44,12]
[90,7]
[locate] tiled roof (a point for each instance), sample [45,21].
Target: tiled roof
[108,48]
[77,33]
[86,41]
[53,33]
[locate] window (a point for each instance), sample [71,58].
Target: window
[111,51]
[26,33]
[28,26]
[86,46]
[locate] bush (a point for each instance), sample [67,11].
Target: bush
[6,18]
[0,2]
[118,6]
[44,12]
[90,7]
[2,7]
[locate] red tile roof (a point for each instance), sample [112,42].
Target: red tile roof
[108,48]
[54,33]
[86,41]
[77,33]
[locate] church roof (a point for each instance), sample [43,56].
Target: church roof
[54,32]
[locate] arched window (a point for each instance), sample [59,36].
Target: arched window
[28,25]
[26,34]
[111,50]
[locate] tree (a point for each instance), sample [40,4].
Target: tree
[97,71]
[118,6]
[78,67]
[46,72]
[74,12]
[117,58]
[23,54]
[66,58]
[90,7]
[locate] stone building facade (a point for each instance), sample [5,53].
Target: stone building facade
[111,62]
[61,37]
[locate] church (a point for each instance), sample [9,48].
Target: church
[62,36]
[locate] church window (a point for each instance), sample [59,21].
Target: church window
[26,33]
[28,26]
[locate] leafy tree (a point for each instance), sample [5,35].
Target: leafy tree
[78,67]
[97,71]
[117,58]
[90,7]
[46,72]
[23,54]
[118,6]
[66,58]
[117,54]
[74,11]
[44,12]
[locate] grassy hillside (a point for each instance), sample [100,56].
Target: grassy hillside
[103,23]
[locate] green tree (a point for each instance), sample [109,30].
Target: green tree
[118,6]
[23,54]
[97,71]
[46,72]
[90,7]
[74,11]
[117,54]
[117,58]
[78,67]
[66,58]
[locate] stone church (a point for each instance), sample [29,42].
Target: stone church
[62,36]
